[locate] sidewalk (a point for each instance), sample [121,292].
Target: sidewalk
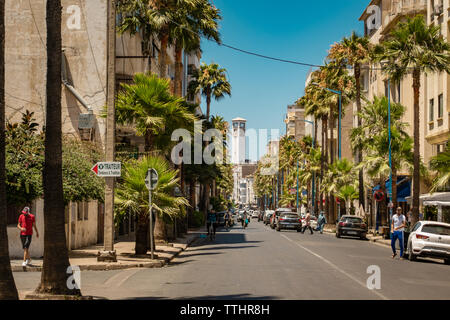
[86,259]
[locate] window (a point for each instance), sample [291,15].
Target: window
[417,226]
[80,208]
[441,106]
[436,229]
[431,111]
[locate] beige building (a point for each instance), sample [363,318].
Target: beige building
[84,37]
[295,122]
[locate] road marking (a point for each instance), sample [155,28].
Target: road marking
[336,267]
[120,278]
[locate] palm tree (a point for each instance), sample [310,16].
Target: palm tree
[373,138]
[347,193]
[8,290]
[56,258]
[354,51]
[192,19]
[152,109]
[211,81]
[441,164]
[132,196]
[414,46]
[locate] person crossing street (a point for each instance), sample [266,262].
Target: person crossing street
[397,229]
[307,223]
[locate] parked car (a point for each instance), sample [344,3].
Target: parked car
[221,219]
[276,214]
[430,239]
[255,214]
[351,226]
[289,220]
[267,215]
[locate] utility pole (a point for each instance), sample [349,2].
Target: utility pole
[109,254]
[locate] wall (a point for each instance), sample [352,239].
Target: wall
[26,62]
[83,232]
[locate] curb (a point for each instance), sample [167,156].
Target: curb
[114,266]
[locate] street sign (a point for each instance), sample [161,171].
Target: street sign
[108,169]
[379,196]
[151,180]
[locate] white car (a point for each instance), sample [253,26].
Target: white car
[430,239]
[255,214]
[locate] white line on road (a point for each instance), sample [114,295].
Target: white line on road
[336,267]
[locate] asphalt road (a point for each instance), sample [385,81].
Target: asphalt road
[261,263]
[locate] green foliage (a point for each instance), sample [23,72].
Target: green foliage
[132,195]
[441,164]
[198,219]
[25,162]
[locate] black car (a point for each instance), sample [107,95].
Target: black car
[221,219]
[351,226]
[291,221]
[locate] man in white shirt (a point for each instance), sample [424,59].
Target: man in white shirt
[397,228]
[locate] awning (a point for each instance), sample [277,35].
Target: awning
[434,199]
[403,188]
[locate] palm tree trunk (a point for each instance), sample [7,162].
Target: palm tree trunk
[206,199]
[142,235]
[8,290]
[357,69]
[56,258]
[160,229]
[208,106]
[383,207]
[322,165]
[178,70]
[416,173]
[164,39]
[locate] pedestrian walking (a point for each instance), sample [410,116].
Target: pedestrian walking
[321,222]
[398,227]
[211,224]
[26,223]
[226,218]
[307,223]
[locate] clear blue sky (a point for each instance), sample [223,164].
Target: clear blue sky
[290,29]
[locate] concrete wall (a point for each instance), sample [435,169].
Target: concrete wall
[85,50]
[83,232]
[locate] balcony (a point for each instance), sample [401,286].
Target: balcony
[401,9]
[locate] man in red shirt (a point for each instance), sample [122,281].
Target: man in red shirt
[26,224]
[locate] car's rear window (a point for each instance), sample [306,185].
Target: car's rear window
[436,229]
[287,215]
[353,220]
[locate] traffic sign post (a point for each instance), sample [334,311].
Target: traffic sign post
[151,181]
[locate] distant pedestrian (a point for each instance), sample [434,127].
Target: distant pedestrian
[321,222]
[26,224]
[398,227]
[307,223]
[211,224]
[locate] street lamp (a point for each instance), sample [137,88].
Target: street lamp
[340,113]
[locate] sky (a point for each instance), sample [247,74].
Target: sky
[291,29]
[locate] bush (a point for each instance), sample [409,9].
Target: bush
[198,219]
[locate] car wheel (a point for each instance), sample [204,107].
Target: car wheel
[447,261]
[337,234]
[363,237]
[411,255]
[278,228]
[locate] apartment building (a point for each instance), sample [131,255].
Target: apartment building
[84,37]
[295,122]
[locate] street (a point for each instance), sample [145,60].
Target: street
[260,263]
